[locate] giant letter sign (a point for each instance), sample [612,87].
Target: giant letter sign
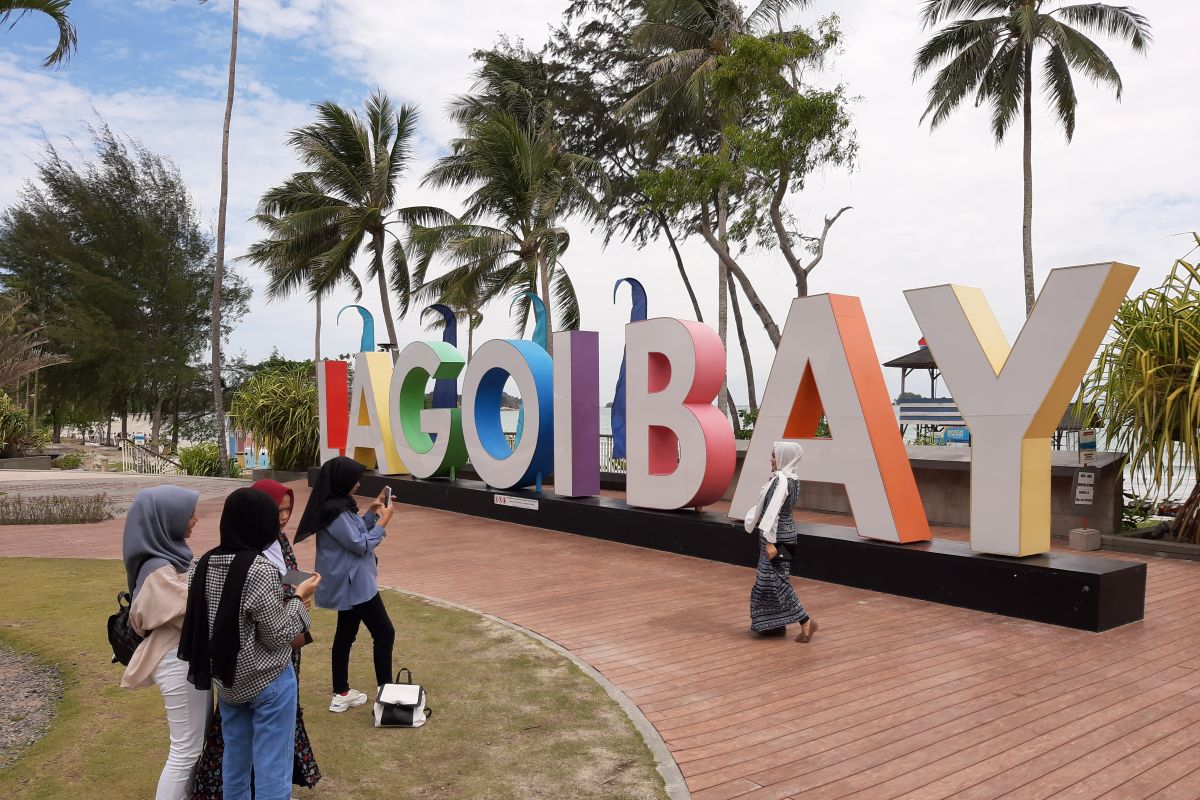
[426,455]
[577,413]
[483,386]
[333,389]
[370,440]
[1013,399]
[680,447]
[827,355]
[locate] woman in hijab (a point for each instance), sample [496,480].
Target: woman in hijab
[157,558]
[346,546]
[238,633]
[305,771]
[773,601]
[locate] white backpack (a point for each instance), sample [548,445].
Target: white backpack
[401,705]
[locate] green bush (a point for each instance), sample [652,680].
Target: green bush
[280,406]
[69,461]
[54,509]
[19,435]
[204,460]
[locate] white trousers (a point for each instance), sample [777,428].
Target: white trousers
[188,713]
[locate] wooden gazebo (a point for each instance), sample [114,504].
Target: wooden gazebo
[919,359]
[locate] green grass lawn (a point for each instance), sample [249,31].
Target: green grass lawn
[512,718]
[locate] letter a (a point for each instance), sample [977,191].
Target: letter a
[827,354]
[1014,399]
[369,441]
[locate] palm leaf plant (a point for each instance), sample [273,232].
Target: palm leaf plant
[280,406]
[1146,384]
[992,58]
[12,10]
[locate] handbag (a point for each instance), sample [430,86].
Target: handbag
[121,635]
[401,705]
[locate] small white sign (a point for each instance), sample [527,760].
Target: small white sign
[515,502]
[1085,487]
[1087,446]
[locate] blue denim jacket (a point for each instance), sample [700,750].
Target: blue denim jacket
[346,561]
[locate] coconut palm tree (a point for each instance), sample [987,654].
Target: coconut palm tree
[525,183]
[992,57]
[347,197]
[56,10]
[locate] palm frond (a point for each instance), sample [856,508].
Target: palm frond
[1119,22]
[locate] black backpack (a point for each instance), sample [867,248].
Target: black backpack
[121,635]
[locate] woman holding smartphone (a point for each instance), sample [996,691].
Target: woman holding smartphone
[346,561]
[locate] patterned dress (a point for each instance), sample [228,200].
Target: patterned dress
[773,601]
[305,772]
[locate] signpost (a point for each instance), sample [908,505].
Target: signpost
[1087,447]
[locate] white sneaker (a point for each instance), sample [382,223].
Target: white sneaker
[350,699]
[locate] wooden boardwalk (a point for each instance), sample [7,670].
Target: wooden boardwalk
[894,698]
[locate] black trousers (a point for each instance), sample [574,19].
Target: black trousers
[372,614]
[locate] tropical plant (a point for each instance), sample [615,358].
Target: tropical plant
[204,460]
[992,57]
[280,407]
[346,199]
[12,10]
[69,461]
[524,180]
[1146,386]
[19,435]
[22,345]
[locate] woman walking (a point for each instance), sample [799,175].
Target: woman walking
[773,601]
[305,771]
[238,633]
[157,558]
[346,546]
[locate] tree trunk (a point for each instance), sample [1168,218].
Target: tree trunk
[734,419]
[36,391]
[723,296]
[741,331]
[687,282]
[108,433]
[756,303]
[219,273]
[318,333]
[1186,527]
[1027,164]
[384,300]
[125,423]
[175,425]
[156,420]
[544,280]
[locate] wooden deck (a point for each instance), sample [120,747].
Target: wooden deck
[894,698]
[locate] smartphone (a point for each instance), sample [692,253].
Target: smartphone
[295,577]
[387,497]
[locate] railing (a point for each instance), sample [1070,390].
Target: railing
[143,460]
[607,462]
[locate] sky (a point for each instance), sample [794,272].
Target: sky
[927,207]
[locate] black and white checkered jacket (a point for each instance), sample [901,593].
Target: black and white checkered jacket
[270,620]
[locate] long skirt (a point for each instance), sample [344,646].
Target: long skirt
[208,785]
[773,601]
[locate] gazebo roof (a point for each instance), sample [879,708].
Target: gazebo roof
[918,359]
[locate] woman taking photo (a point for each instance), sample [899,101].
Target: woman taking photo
[346,546]
[305,771]
[773,601]
[238,633]
[157,558]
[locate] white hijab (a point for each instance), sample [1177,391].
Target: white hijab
[787,460]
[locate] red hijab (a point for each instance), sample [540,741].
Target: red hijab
[276,491]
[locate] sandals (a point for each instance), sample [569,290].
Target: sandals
[800,637]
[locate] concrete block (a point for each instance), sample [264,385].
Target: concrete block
[1084,539]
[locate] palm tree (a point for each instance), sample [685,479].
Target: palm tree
[993,58]
[347,197]
[57,11]
[292,254]
[218,387]
[524,181]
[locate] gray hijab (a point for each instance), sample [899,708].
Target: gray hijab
[154,532]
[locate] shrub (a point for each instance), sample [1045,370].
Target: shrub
[280,406]
[19,435]
[54,509]
[69,461]
[204,460]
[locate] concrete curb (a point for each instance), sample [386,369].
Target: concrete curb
[673,779]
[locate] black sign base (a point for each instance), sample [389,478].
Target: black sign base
[1093,594]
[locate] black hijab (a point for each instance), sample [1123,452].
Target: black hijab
[330,495]
[249,524]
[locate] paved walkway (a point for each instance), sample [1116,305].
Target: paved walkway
[894,698]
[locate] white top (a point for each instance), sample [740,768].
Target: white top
[274,554]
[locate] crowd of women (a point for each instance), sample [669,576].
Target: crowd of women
[228,622]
